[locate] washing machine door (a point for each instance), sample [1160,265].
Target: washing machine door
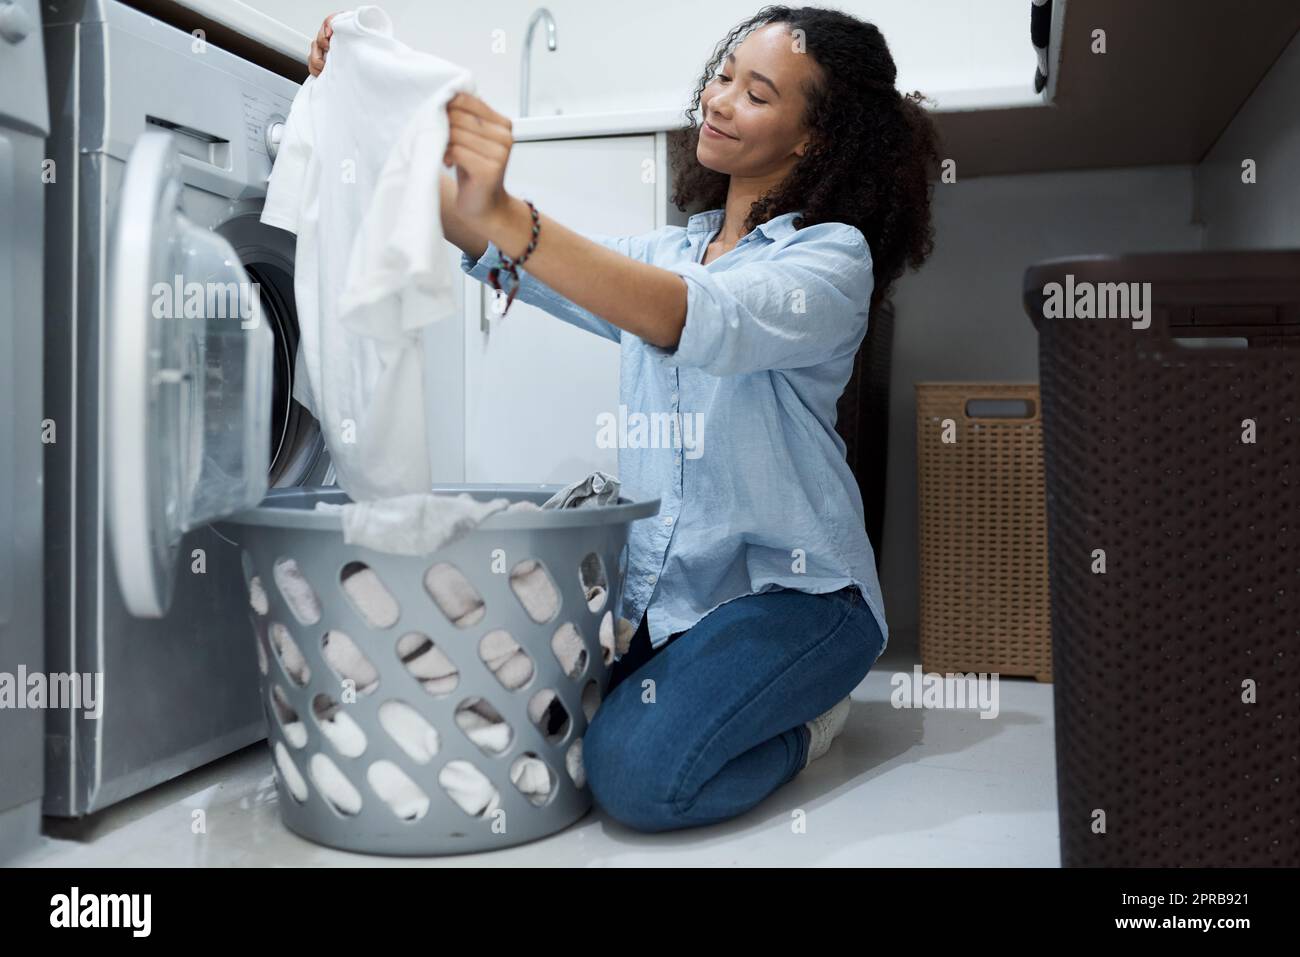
[189,378]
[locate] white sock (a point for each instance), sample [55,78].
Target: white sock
[824,728]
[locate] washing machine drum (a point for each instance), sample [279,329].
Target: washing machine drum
[297,446]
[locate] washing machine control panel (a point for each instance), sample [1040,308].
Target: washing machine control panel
[264,118]
[274,133]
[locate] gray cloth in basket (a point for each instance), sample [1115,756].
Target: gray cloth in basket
[598,488]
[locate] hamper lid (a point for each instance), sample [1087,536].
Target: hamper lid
[1257,286]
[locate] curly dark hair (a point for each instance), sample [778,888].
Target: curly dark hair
[872,154]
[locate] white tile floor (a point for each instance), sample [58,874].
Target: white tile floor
[900,787]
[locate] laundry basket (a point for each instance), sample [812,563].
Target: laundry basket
[983,529]
[433,705]
[1172,450]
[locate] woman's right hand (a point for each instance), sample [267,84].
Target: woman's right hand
[320,46]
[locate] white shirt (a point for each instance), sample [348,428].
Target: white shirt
[357,179]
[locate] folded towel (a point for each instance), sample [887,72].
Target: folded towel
[615,639]
[398,791]
[287,650]
[569,649]
[334,784]
[533,587]
[289,773]
[341,730]
[573,762]
[370,596]
[407,727]
[348,661]
[505,659]
[484,725]
[452,592]
[257,596]
[426,662]
[297,591]
[470,788]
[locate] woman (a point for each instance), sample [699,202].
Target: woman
[754,587]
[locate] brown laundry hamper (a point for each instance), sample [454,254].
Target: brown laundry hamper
[1199,602]
[983,530]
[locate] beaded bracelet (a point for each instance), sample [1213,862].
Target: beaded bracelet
[512,265]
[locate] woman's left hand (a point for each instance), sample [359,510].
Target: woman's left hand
[478,147]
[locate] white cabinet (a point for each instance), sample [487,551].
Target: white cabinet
[533,383]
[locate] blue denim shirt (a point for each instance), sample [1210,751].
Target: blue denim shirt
[734,428]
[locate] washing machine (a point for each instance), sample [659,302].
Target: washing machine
[24,123]
[170,346]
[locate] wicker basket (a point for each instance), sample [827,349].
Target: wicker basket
[983,530]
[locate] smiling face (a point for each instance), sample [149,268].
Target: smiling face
[753,107]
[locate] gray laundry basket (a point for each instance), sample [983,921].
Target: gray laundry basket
[371,737]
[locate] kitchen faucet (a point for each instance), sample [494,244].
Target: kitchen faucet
[541,13]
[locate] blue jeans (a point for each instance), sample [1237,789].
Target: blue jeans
[712,722]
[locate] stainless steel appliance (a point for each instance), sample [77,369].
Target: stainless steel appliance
[24,122]
[163,144]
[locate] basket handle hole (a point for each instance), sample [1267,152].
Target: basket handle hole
[428,664]
[369,595]
[1000,408]
[570,650]
[508,662]
[595,584]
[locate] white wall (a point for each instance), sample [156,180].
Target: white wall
[1265,214]
[620,55]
